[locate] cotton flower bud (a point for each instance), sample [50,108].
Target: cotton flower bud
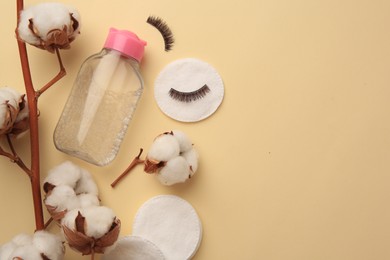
[13,112]
[91,230]
[49,26]
[40,246]
[172,157]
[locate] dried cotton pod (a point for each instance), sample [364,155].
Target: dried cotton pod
[69,187]
[91,230]
[49,26]
[172,157]
[13,112]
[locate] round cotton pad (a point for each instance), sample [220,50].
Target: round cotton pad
[134,248]
[172,224]
[188,90]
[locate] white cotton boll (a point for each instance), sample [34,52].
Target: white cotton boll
[29,252]
[184,142]
[6,250]
[66,173]
[62,198]
[49,244]
[86,184]
[69,219]
[164,148]
[23,30]
[46,17]
[88,200]
[176,170]
[10,95]
[22,239]
[192,157]
[98,220]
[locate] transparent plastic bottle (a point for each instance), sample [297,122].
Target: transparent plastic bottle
[102,101]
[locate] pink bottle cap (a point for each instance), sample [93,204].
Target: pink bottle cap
[125,42]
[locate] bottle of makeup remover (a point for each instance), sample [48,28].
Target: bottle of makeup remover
[102,100]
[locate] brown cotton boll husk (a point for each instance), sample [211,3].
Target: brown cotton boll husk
[21,123]
[9,120]
[56,39]
[21,126]
[49,26]
[79,241]
[56,215]
[153,166]
[7,123]
[14,120]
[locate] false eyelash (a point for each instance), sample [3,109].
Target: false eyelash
[163,28]
[189,96]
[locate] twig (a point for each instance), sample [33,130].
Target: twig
[134,163]
[60,75]
[48,222]
[15,158]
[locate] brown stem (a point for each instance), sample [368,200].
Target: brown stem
[48,222]
[16,159]
[134,163]
[34,140]
[60,75]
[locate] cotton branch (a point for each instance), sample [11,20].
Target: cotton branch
[60,75]
[34,134]
[32,99]
[134,163]
[16,159]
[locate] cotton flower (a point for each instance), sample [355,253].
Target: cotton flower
[49,26]
[13,112]
[67,173]
[91,230]
[69,187]
[48,244]
[172,157]
[41,245]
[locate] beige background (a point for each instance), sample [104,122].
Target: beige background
[295,163]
